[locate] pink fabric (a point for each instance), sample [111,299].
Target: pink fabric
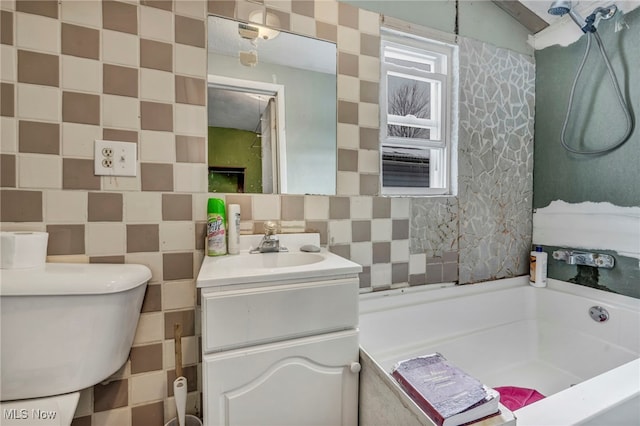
[513,397]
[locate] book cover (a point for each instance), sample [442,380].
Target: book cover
[446,394]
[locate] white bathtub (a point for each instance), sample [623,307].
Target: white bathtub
[507,333]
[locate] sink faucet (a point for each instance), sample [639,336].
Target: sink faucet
[270,242]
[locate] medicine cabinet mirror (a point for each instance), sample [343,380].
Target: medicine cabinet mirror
[271,110]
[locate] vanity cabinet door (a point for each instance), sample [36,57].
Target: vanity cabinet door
[307,381]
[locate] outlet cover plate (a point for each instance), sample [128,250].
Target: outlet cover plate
[112,158]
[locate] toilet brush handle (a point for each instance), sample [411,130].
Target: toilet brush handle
[177,335]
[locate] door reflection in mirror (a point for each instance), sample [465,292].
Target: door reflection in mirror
[296,158]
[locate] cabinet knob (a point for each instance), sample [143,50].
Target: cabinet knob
[355,367]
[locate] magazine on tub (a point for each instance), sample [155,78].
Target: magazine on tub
[448,395]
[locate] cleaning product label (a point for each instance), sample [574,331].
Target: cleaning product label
[532,269]
[216,238]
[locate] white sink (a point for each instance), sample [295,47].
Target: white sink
[282,267]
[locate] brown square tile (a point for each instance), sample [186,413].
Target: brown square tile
[8,170]
[200,235]
[152,301]
[6,27]
[65,239]
[369,138]
[80,41]
[156,55]
[348,15]
[81,421]
[191,149]
[177,266]
[292,207]
[105,207]
[120,135]
[369,92]
[177,207]
[370,45]
[283,17]
[156,116]
[225,8]
[159,4]
[434,273]
[7,100]
[348,64]
[117,80]
[347,112]
[369,184]
[399,273]
[190,31]
[400,229]
[365,277]
[20,206]
[381,208]
[360,230]
[146,358]
[190,90]
[343,250]
[190,373]
[78,174]
[184,318]
[450,256]
[107,259]
[120,16]
[347,160]
[245,203]
[37,137]
[80,108]
[326,31]
[143,238]
[303,7]
[339,208]
[148,415]
[417,279]
[382,252]
[112,395]
[156,177]
[321,227]
[47,8]
[449,272]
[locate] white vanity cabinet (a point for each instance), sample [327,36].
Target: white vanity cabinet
[285,354]
[280,336]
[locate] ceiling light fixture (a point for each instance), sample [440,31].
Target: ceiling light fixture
[268,19]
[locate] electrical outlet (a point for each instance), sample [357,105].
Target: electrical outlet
[115,158]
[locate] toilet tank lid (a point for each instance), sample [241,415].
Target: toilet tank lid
[72,279]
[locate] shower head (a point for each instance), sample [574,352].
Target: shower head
[559,8]
[562,7]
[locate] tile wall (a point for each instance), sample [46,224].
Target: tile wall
[76,71]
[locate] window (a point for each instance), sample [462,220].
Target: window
[415,114]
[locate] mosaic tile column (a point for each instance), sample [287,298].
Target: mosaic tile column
[495,166]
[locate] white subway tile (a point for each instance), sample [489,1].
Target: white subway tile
[39,171]
[65,206]
[143,207]
[316,207]
[120,112]
[349,40]
[81,74]
[177,236]
[157,85]
[85,13]
[78,140]
[38,102]
[156,24]
[8,63]
[38,33]
[190,60]
[190,177]
[8,135]
[148,387]
[105,238]
[159,147]
[120,48]
[178,294]
[190,119]
[152,260]
[150,328]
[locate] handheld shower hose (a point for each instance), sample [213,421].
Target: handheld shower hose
[621,100]
[560,7]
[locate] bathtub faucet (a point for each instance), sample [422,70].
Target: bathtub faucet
[597,260]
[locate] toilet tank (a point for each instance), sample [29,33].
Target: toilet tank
[66,327]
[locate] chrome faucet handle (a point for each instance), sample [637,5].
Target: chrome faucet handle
[270,228]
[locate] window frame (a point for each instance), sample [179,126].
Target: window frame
[443,60]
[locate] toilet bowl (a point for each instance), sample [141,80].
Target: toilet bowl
[64,328]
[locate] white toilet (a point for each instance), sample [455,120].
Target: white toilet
[64,328]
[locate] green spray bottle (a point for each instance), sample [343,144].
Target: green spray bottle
[216,228]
